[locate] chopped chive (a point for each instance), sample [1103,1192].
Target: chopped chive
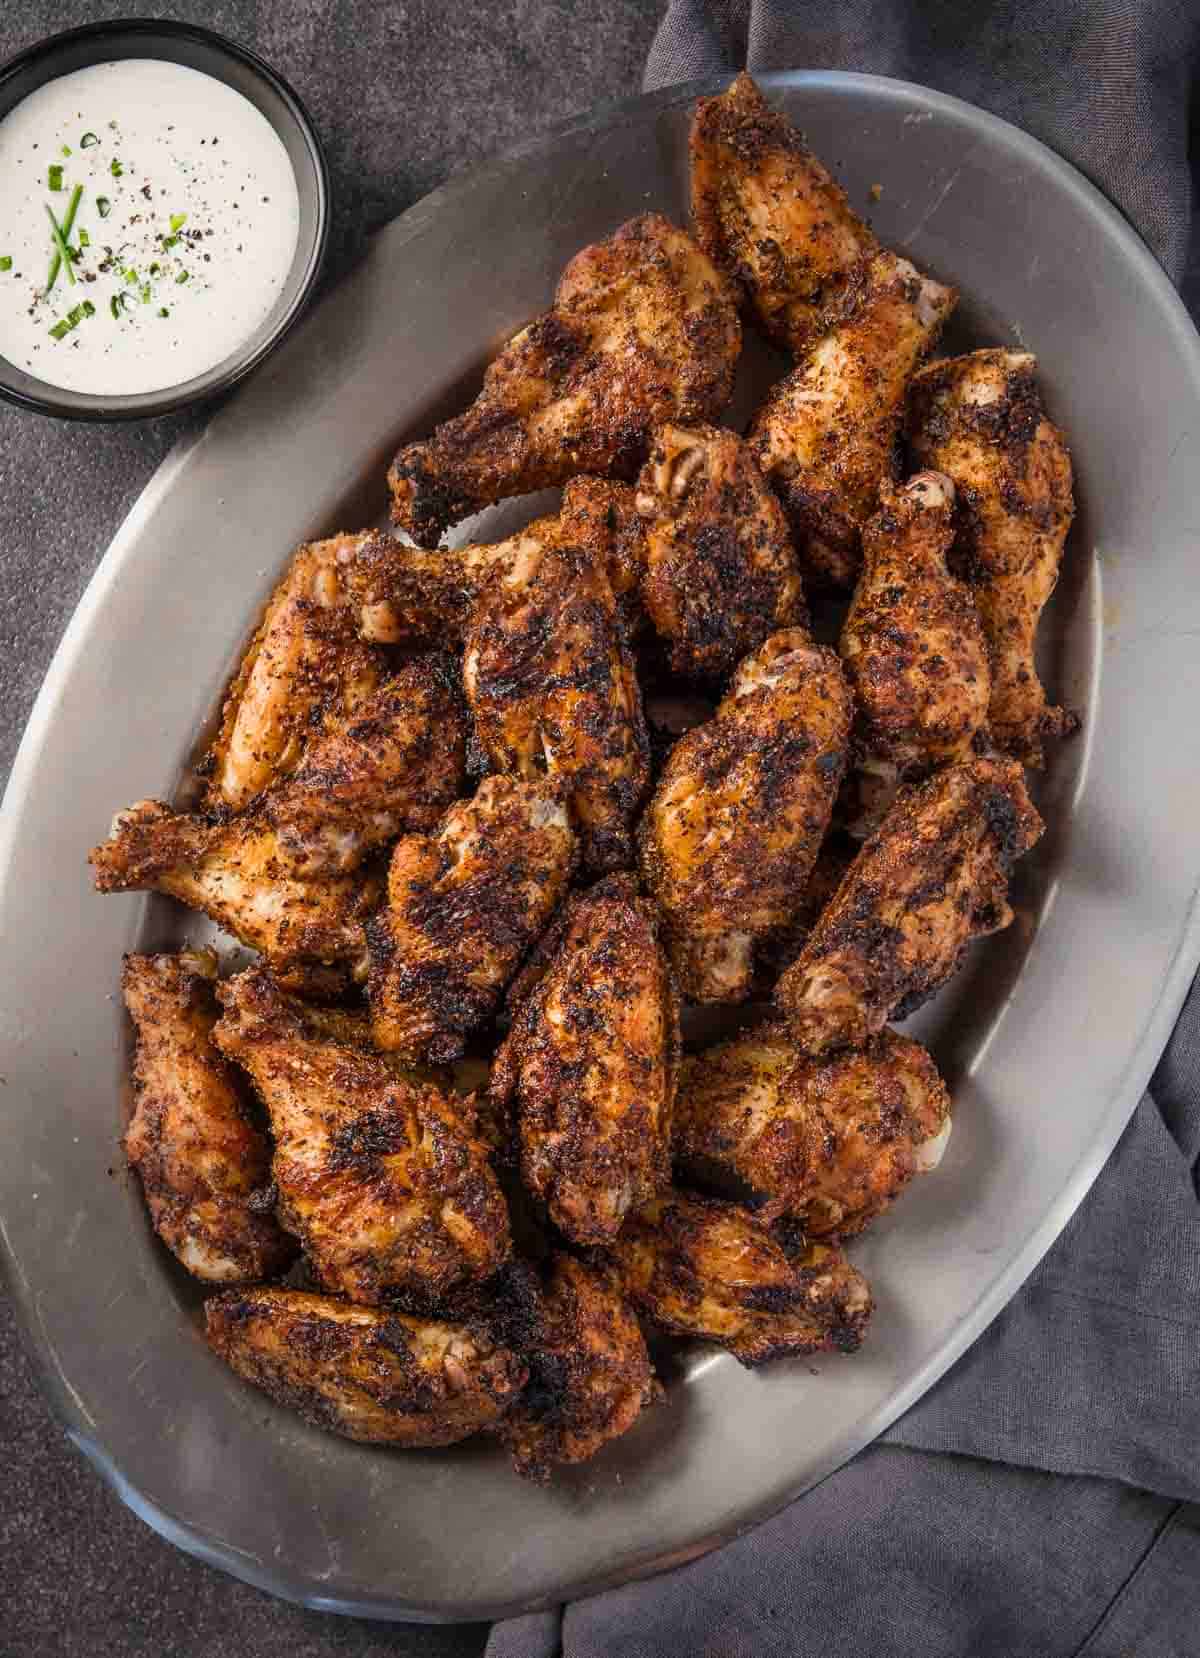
[103,206]
[118,304]
[66,149]
[163,312]
[182,277]
[89,310]
[155,269]
[115,168]
[6,262]
[57,262]
[55,176]
[74,314]
[145,293]
[178,220]
[130,275]
[88,141]
[63,253]
[85,241]
[60,330]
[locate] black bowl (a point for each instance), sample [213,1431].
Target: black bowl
[213,55]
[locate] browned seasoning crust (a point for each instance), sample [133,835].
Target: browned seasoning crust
[380,1377]
[379,1176]
[740,811]
[931,878]
[768,213]
[203,1164]
[644,329]
[700,1267]
[590,1064]
[981,420]
[720,569]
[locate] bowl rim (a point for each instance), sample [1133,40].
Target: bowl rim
[203,387]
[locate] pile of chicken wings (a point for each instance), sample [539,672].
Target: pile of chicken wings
[490,815]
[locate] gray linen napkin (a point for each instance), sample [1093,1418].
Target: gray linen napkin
[1080,1532]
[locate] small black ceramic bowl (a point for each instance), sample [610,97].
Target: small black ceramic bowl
[213,55]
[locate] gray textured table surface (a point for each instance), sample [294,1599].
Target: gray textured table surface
[404,94]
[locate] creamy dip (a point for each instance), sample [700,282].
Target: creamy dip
[185,226]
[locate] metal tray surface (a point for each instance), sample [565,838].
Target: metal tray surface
[1048,1037]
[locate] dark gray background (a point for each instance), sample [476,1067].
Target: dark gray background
[404,93]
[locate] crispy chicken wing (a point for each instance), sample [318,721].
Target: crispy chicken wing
[644,329]
[378,1175]
[589,1372]
[830,1142]
[552,686]
[590,1064]
[303,663]
[720,569]
[981,419]
[380,1377]
[700,1267]
[465,903]
[767,212]
[825,439]
[741,809]
[931,878]
[203,1164]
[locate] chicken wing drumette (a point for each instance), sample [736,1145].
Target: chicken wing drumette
[380,1377]
[829,1143]
[931,878]
[981,420]
[768,213]
[379,1175]
[203,1164]
[465,903]
[739,814]
[825,439]
[644,329]
[588,1069]
[700,1267]
[720,570]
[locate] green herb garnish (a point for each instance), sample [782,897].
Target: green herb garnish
[163,312]
[182,277]
[89,310]
[60,234]
[103,206]
[145,293]
[85,241]
[88,141]
[66,149]
[115,168]
[6,262]
[178,220]
[60,330]
[73,318]
[117,305]
[55,176]
[156,269]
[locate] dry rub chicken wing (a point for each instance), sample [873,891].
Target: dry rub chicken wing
[767,212]
[643,329]
[589,1066]
[379,1377]
[204,1165]
[379,1175]
[465,903]
[931,878]
[740,811]
[825,439]
[981,420]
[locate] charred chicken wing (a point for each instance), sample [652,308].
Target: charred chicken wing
[644,329]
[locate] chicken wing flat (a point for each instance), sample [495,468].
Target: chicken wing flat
[825,439]
[589,1372]
[720,570]
[699,1267]
[304,662]
[740,811]
[465,903]
[981,420]
[203,1164]
[379,1176]
[766,211]
[644,329]
[590,1064]
[931,878]
[829,1142]
[379,1377]
[552,686]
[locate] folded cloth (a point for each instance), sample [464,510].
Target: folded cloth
[1044,1497]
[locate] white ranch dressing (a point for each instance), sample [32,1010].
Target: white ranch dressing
[202,222]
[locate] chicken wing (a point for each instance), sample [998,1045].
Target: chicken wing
[644,329]
[739,814]
[931,878]
[981,420]
[379,1377]
[829,1142]
[203,1165]
[699,1267]
[303,663]
[589,1066]
[589,1372]
[720,569]
[825,439]
[552,686]
[766,211]
[465,903]
[378,1175]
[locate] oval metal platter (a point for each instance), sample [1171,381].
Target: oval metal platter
[1048,1036]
